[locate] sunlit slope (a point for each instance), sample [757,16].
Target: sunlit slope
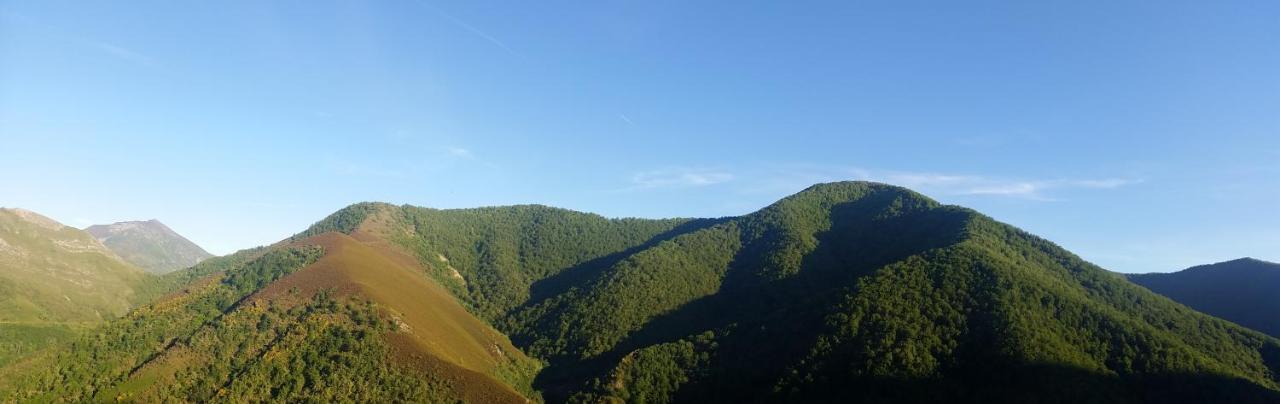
[847,291]
[492,257]
[428,319]
[51,272]
[323,318]
[56,281]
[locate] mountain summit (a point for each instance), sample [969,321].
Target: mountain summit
[844,292]
[150,245]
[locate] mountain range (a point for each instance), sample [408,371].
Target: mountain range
[850,291]
[57,281]
[1243,291]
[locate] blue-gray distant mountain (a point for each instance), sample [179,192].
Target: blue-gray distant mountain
[1245,291]
[150,245]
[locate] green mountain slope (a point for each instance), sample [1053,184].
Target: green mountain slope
[57,280]
[1243,291]
[150,245]
[324,318]
[843,292]
[53,272]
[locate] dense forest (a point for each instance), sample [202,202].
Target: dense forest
[849,291]
[1243,291]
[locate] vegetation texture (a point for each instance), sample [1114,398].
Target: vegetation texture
[845,292]
[1243,291]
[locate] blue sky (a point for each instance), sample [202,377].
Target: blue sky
[1144,136]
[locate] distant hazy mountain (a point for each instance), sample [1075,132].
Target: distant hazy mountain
[844,292]
[1245,291]
[150,245]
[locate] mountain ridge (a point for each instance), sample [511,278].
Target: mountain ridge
[849,291]
[1242,290]
[56,281]
[150,245]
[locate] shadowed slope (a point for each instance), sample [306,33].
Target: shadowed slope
[1243,291]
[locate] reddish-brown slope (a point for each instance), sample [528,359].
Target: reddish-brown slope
[436,333]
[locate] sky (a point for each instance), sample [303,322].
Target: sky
[1143,136]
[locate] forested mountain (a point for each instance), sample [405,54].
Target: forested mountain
[149,245]
[1245,291]
[848,291]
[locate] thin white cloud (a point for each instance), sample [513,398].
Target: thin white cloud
[1019,189]
[678,178]
[1035,189]
[1110,183]
[624,118]
[124,54]
[465,154]
[460,152]
[470,28]
[108,48]
[790,178]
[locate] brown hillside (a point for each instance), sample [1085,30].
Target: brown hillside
[436,332]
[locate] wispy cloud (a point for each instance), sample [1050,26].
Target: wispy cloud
[470,28]
[465,154]
[960,184]
[112,49]
[624,118]
[124,53]
[460,152]
[777,179]
[678,177]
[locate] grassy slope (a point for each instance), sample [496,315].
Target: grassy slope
[431,322]
[57,281]
[102,359]
[60,274]
[267,323]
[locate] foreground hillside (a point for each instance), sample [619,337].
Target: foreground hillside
[843,292]
[55,281]
[1244,291]
[324,318]
[150,245]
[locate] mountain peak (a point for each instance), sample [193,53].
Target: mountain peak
[149,244]
[1249,260]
